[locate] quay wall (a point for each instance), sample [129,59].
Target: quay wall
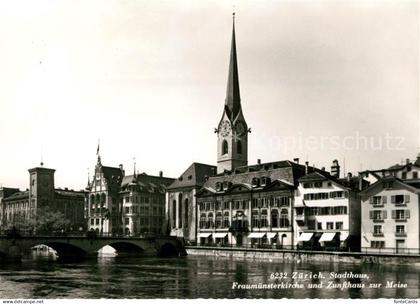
[305,256]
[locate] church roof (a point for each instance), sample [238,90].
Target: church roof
[194,176]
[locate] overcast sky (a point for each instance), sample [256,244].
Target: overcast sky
[148,78]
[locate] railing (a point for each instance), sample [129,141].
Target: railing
[391,250]
[89,234]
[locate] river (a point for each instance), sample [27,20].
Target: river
[194,277]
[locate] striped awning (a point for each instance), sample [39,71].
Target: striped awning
[204,234]
[271,235]
[256,235]
[220,235]
[305,236]
[327,236]
[344,235]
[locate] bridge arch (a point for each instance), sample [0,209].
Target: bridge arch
[66,250]
[125,247]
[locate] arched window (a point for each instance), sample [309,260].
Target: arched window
[186,212]
[218,220]
[264,221]
[180,210]
[239,147]
[173,213]
[284,218]
[225,147]
[210,223]
[274,218]
[255,219]
[203,220]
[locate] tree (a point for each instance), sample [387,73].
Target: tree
[48,221]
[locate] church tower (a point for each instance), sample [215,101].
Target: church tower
[232,132]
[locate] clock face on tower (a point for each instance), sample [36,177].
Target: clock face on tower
[240,128]
[224,128]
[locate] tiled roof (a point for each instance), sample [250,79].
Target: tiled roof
[194,176]
[283,170]
[147,183]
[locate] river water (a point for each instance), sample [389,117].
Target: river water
[195,277]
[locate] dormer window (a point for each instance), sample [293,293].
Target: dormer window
[255,182]
[218,186]
[226,185]
[265,181]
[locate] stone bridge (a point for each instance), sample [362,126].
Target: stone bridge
[75,247]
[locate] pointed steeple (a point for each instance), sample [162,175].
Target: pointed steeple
[233,98]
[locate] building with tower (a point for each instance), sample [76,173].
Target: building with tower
[18,208]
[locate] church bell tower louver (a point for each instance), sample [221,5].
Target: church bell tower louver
[232,131]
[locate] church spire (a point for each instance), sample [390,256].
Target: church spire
[233,98]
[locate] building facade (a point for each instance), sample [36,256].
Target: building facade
[120,204]
[182,202]
[20,207]
[327,212]
[390,216]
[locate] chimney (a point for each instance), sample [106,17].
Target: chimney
[259,161]
[349,176]
[323,168]
[296,160]
[335,169]
[306,167]
[206,177]
[121,167]
[360,181]
[160,173]
[407,161]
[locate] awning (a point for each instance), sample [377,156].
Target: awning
[256,235]
[220,235]
[327,236]
[304,237]
[344,235]
[204,234]
[271,235]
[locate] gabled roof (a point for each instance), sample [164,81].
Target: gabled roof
[194,176]
[411,186]
[313,176]
[348,182]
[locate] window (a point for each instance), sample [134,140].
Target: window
[225,147]
[284,218]
[404,175]
[377,230]
[203,220]
[377,244]
[92,221]
[400,199]
[180,210]
[239,147]
[330,225]
[378,200]
[307,185]
[318,184]
[400,214]
[127,209]
[338,225]
[210,223]
[173,213]
[400,230]
[378,215]
[264,221]
[186,212]
[274,218]
[97,221]
[127,199]
[126,221]
[226,220]
[255,219]
[319,226]
[415,175]
[219,220]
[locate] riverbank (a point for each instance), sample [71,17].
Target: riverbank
[305,256]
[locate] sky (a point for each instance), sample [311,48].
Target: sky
[319,80]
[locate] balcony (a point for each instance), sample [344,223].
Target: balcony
[378,220]
[401,234]
[378,234]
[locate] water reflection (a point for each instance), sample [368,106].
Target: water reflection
[192,277]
